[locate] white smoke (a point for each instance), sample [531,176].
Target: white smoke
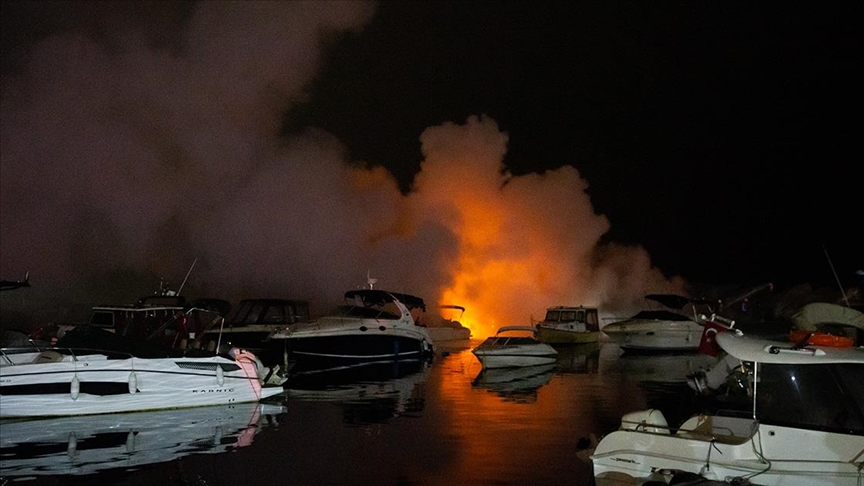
[123,161]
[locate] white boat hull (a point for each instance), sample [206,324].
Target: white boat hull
[646,335]
[93,384]
[553,335]
[505,349]
[443,334]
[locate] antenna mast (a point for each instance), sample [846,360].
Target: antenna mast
[842,292]
[187,276]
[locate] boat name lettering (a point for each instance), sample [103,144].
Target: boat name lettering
[215,390]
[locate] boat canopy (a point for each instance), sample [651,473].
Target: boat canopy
[371,297]
[817,313]
[766,351]
[504,329]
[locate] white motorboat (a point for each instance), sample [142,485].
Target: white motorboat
[372,325]
[93,371]
[569,325]
[802,424]
[89,444]
[662,327]
[449,328]
[514,346]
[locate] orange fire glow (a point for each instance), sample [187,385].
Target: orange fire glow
[523,243]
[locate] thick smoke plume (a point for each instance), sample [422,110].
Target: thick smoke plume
[127,155]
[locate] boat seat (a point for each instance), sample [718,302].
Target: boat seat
[726,430]
[48,357]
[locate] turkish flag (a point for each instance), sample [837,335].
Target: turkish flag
[713,325]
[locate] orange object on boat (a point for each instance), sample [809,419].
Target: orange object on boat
[818,338]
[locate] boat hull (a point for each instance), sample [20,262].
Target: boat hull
[510,347]
[671,336]
[443,334]
[551,335]
[94,384]
[323,349]
[506,356]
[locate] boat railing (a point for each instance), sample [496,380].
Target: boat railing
[38,354]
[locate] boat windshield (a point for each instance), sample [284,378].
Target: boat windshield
[816,397]
[509,341]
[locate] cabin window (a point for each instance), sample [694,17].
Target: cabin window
[819,397]
[592,322]
[274,314]
[300,312]
[102,319]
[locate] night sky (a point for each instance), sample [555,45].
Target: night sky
[508,155]
[719,135]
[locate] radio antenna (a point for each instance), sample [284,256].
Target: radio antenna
[842,292]
[187,276]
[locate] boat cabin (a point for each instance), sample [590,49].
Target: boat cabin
[137,320]
[268,311]
[573,317]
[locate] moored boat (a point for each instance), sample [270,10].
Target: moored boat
[448,328]
[663,327]
[828,324]
[569,325]
[513,346]
[802,423]
[93,371]
[371,325]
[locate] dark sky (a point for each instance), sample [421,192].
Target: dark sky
[536,153]
[722,136]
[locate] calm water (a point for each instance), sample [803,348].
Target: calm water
[438,424]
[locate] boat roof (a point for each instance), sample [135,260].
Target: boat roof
[569,307]
[378,297]
[147,303]
[814,313]
[447,306]
[759,350]
[515,328]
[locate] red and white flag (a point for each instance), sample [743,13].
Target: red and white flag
[710,328]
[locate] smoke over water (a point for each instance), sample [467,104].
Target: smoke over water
[124,160]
